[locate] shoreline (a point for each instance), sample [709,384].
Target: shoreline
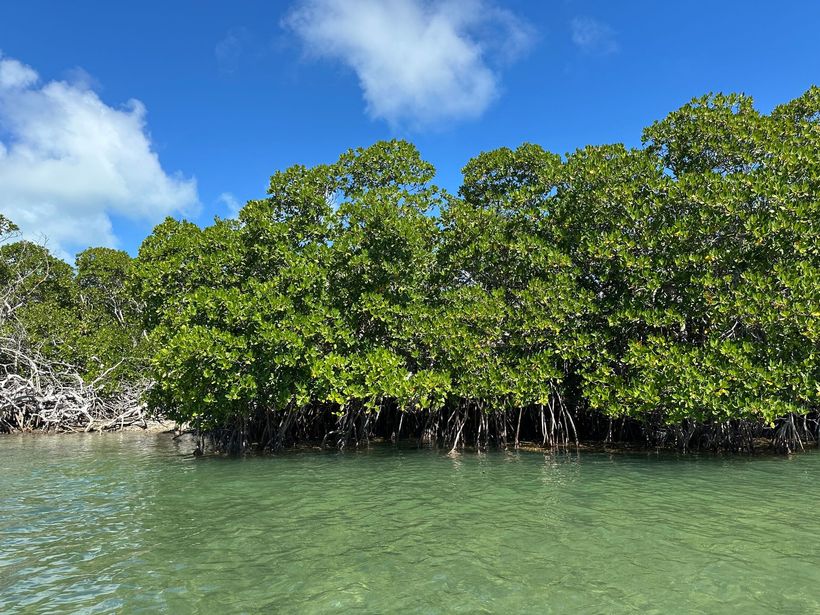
[150,427]
[763,447]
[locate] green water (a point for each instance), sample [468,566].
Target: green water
[132,523]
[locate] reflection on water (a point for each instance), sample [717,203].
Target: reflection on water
[133,523]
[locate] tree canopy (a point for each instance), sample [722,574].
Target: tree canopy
[675,284]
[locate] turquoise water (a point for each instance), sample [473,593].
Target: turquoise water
[133,523]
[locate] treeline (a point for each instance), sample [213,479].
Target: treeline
[668,294]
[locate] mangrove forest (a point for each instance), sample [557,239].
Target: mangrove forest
[664,295]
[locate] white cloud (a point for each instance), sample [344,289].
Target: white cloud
[593,37]
[68,162]
[15,75]
[418,62]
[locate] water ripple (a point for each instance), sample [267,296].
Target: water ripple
[132,523]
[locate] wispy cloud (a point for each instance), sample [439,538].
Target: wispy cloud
[68,162]
[230,202]
[593,37]
[229,50]
[418,62]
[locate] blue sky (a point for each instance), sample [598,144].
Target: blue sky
[113,115]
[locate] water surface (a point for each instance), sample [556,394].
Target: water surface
[132,523]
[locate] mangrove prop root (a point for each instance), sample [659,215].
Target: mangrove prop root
[550,426]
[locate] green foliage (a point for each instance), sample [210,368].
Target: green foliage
[85,318]
[302,300]
[677,281]
[712,289]
[7,227]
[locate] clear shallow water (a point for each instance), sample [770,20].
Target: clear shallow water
[132,523]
